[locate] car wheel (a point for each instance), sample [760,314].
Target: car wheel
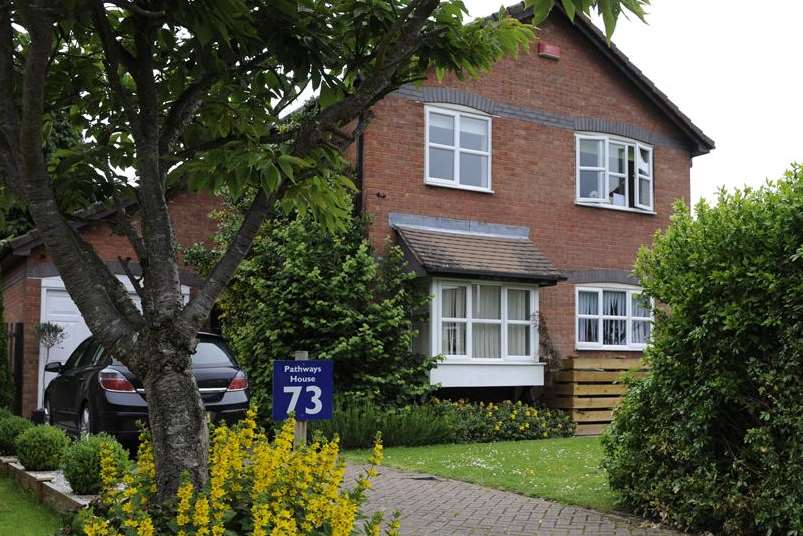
[85,421]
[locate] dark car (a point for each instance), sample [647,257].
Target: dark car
[95,393]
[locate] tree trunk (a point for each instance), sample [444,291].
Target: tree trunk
[177,421]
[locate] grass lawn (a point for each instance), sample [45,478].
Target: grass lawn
[566,470]
[21,515]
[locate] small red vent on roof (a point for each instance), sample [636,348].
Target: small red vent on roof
[545,50]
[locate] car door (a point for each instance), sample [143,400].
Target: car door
[58,399]
[71,393]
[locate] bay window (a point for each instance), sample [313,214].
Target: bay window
[614,172]
[485,320]
[458,149]
[612,318]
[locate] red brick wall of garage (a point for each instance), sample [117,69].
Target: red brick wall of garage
[192,224]
[533,165]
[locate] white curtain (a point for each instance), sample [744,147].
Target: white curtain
[614,303]
[454,302]
[641,331]
[518,340]
[486,341]
[453,333]
[518,304]
[487,302]
[454,338]
[588,303]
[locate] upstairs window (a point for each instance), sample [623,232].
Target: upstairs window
[612,318]
[614,172]
[458,149]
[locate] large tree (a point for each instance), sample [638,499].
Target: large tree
[168,91]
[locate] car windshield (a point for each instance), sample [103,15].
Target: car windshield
[208,353]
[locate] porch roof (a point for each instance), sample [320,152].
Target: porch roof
[472,254]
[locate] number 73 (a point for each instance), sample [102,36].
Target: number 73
[295,392]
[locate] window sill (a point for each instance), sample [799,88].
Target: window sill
[453,186]
[615,207]
[599,348]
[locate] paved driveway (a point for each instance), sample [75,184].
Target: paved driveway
[435,506]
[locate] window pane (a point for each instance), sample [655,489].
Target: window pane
[441,129]
[617,158]
[640,306]
[613,332]
[644,161]
[474,170]
[591,153]
[641,331]
[588,303]
[518,304]
[587,330]
[616,191]
[473,133]
[644,187]
[590,184]
[454,338]
[614,303]
[486,341]
[441,164]
[454,302]
[518,340]
[487,302]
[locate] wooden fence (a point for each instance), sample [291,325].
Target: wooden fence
[589,388]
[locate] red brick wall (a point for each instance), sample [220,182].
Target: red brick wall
[533,165]
[192,224]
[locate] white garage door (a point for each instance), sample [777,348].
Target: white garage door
[59,308]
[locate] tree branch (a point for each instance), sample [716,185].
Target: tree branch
[100,296]
[197,311]
[124,263]
[113,53]
[128,230]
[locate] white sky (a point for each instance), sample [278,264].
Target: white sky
[732,66]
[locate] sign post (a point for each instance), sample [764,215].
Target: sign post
[305,388]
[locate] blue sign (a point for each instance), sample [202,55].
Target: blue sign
[303,387]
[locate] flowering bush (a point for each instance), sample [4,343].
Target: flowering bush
[504,421]
[257,488]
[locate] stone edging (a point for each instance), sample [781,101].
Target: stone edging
[49,487]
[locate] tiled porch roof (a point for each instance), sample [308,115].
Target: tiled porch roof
[447,252]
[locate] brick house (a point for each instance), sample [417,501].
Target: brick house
[520,198]
[529,191]
[33,292]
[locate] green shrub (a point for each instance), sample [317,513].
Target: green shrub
[357,422]
[713,438]
[10,428]
[82,462]
[41,448]
[5,413]
[303,287]
[504,421]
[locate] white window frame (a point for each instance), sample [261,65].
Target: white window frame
[456,113]
[629,318]
[436,321]
[607,174]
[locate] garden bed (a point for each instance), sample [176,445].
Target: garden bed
[47,487]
